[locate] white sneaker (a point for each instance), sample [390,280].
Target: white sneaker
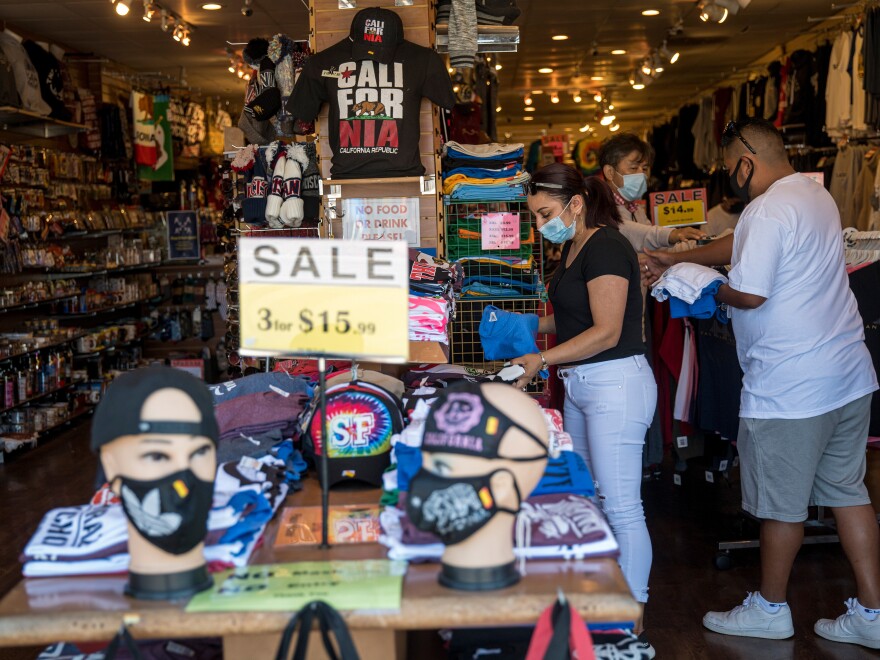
[850,628]
[751,620]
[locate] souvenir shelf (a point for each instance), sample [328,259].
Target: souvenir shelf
[24,122]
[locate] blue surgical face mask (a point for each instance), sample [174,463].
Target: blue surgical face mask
[634,186]
[556,231]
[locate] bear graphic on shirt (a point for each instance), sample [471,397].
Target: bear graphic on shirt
[370,104]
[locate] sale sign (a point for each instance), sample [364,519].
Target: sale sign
[499,231]
[678,208]
[386,219]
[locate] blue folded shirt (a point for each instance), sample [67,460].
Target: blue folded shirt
[704,307]
[567,473]
[506,335]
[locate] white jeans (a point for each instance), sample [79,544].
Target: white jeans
[608,408]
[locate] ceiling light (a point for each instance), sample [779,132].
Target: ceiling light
[716,11]
[529,109]
[231,68]
[247,76]
[632,77]
[451,70]
[545,69]
[614,128]
[568,129]
[527,100]
[185,39]
[638,86]
[560,37]
[498,67]
[597,97]
[240,73]
[659,69]
[498,109]
[177,35]
[607,120]
[646,68]
[123,7]
[618,51]
[577,98]
[651,12]
[584,128]
[149,10]
[596,78]
[554,98]
[537,92]
[167,21]
[212,6]
[674,58]
[611,107]
[528,118]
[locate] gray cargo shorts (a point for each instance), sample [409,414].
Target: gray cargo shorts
[787,465]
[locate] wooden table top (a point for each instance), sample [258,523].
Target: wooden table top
[43,610]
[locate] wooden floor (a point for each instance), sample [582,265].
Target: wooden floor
[685,521]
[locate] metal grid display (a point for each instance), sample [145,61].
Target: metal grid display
[465,346]
[494,273]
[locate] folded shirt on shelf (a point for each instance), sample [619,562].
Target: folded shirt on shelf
[255,414]
[550,526]
[491,151]
[428,319]
[279,382]
[475,171]
[459,186]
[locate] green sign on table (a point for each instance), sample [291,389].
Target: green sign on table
[374,584]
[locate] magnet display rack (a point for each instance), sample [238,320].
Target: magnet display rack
[330,22]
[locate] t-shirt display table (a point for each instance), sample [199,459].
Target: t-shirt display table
[45,610]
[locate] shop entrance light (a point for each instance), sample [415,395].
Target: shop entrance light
[123,7]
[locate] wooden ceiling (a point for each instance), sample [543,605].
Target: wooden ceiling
[709,52]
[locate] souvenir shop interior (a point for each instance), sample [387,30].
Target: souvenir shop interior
[231,230]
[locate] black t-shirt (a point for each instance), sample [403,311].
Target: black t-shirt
[374,108]
[606,252]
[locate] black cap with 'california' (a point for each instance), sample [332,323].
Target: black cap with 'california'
[119,412]
[376,33]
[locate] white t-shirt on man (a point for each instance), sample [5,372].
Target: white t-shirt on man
[803,351]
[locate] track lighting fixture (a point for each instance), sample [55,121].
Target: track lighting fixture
[528,100]
[177,35]
[576,97]
[607,120]
[149,10]
[614,128]
[123,7]
[185,38]
[597,97]
[166,21]
[554,98]
[584,128]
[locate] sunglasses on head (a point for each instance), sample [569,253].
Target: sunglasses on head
[730,132]
[533,187]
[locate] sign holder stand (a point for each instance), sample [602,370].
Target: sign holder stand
[325,488]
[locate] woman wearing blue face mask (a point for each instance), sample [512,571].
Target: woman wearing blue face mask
[625,160]
[610,393]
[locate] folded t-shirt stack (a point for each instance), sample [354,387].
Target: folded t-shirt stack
[483,172]
[93,539]
[494,276]
[253,415]
[691,290]
[433,284]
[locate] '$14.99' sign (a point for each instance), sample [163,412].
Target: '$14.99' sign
[314,297]
[676,208]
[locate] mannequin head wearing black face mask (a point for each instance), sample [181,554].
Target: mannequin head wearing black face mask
[754,154]
[484,450]
[156,436]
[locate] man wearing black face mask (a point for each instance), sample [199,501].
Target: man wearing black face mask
[807,384]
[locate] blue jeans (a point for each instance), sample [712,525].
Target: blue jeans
[608,408]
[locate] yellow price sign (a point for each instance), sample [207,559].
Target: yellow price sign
[677,208]
[312,297]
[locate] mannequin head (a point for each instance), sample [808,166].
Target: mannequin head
[156,436]
[484,451]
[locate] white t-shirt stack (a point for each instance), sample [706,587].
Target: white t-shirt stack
[802,352]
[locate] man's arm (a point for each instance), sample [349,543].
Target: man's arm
[718,253]
[738,299]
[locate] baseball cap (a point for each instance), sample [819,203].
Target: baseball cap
[119,412]
[376,33]
[361,418]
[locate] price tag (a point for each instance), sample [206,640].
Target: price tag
[710,477]
[681,441]
[313,297]
[676,479]
[736,461]
[500,231]
[722,466]
[677,208]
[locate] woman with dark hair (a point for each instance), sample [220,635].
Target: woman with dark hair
[625,160]
[610,393]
